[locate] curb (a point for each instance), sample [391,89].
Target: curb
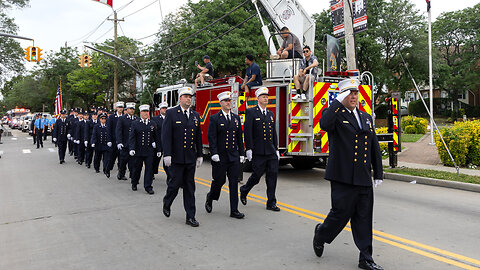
[432,182]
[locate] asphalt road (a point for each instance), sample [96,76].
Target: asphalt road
[56,216]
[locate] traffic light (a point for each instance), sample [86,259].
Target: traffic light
[80,60]
[33,54]
[27,53]
[39,54]
[87,60]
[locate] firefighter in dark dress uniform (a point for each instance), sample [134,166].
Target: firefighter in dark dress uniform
[79,136]
[159,121]
[121,133]
[112,125]
[60,135]
[262,148]
[354,151]
[70,118]
[182,149]
[88,139]
[143,144]
[225,139]
[102,143]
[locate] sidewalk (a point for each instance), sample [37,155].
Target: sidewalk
[422,155]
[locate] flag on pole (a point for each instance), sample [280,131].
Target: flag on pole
[58,101]
[106,2]
[428,5]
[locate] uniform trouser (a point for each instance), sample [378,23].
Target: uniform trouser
[34,138]
[124,161]
[260,165]
[38,134]
[138,161]
[354,203]
[45,134]
[75,150]
[220,171]
[62,147]
[53,129]
[88,155]
[70,146]
[167,172]
[81,152]
[182,176]
[101,155]
[113,156]
[156,163]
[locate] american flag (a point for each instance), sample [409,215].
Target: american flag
[106,2]
[332,96]
[58,101]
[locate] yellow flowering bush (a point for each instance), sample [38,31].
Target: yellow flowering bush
[463,140]
[414,125]
[383,146]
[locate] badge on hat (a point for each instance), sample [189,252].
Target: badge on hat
[185,91]
[120,104]
[144,107]
[163,105]
[348,84]
[261,91]
[131,105]
[224,95]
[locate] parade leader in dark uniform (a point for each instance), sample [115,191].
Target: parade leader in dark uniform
[143,144]
[225,140]
[262,149]
[60,135]
[102,143]
[122,130]
[182,149]
[354,152]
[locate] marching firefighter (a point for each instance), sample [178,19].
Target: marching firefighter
[38,131]
[262,149]
[225,140]
[143,144]
[122,131]
[88,138]
[159,121]
[182,149]
[102,143]
[354,152]
[111,125]
[79,136]
[60,135]
[70,118]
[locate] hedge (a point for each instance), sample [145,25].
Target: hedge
[414,125]
[463,140]
[383,146]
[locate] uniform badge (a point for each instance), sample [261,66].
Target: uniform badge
[271,117]
[369,123]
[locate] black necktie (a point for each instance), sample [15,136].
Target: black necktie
[265,113]
[228,118]
[354,117]
[186,115]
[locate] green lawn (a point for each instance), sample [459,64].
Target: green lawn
[411,137]
[436,174]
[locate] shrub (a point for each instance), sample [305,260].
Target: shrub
[383,146]
[410,129]
[414,125]
[463,140]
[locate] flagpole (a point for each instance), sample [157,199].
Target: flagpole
[430,69]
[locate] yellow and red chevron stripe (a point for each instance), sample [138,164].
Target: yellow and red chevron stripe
[365,98]
[294,109]
[320,102]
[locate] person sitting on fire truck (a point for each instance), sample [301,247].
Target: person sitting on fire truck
[291,46]
[205,73]
[308,72]
[252,76]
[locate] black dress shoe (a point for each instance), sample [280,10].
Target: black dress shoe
[243,198]
[150,191]
[318,246]
[192,222]
[369,265]
[80,162]
[121,177]
[166,210]
[236,214]
[62,161]
[134,187]
[208,204]
[88,166]
[273,207]
[107,174]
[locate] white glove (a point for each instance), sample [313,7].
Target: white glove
[77,142]
[378,182]
[216,158]
[159,154]
[132,153]
[343,95]
[109,144]
[242,159]
[278,155]
[54,139]
[167,161]
[199,161]
[154,145]
[249,155]
[93,145]
[119,146]
[86,143]
[69,136]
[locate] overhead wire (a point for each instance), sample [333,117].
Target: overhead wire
[124,6]
[91,32]
[141,9]
[103,34]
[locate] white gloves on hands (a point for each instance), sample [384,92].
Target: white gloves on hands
[249,155]
[216,158]
[278,155]
[119,146]
[167,161]
[54,139]
[69,136]
[159,154]
[242,159]
[154,145]
[132,153]
[377,182]
[109,144]
[199,161]
[76,142]
[86,143]
[93,145]
[343,95]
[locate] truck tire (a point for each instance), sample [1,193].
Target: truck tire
[303,164]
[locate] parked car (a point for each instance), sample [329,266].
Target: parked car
[403,110]
[26,123]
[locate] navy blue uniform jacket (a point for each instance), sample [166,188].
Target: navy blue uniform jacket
[61,130]
[87,136]
[100,137]
[182,139]
[354,151]
[112,124]
[122,130]
[260,133]
[159,121]
[141,137]
[225,139]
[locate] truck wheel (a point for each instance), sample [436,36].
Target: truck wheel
[302,164]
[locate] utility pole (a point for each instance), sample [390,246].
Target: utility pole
[430,70]
[349,36]
[115,67]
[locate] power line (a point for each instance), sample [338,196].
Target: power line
[103,34]
[124,6]
[121,29]
[141,9]
[91,32]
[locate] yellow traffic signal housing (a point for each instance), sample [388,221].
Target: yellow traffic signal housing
[87,60]
[27,53]
[80,60]
[33,54]
[39,54]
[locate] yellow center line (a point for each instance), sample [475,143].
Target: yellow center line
[378,235]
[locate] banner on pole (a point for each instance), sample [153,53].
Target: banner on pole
[336,7]
[333,54]
[106,2]
[359,16]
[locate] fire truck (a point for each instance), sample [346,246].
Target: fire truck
[302,143]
